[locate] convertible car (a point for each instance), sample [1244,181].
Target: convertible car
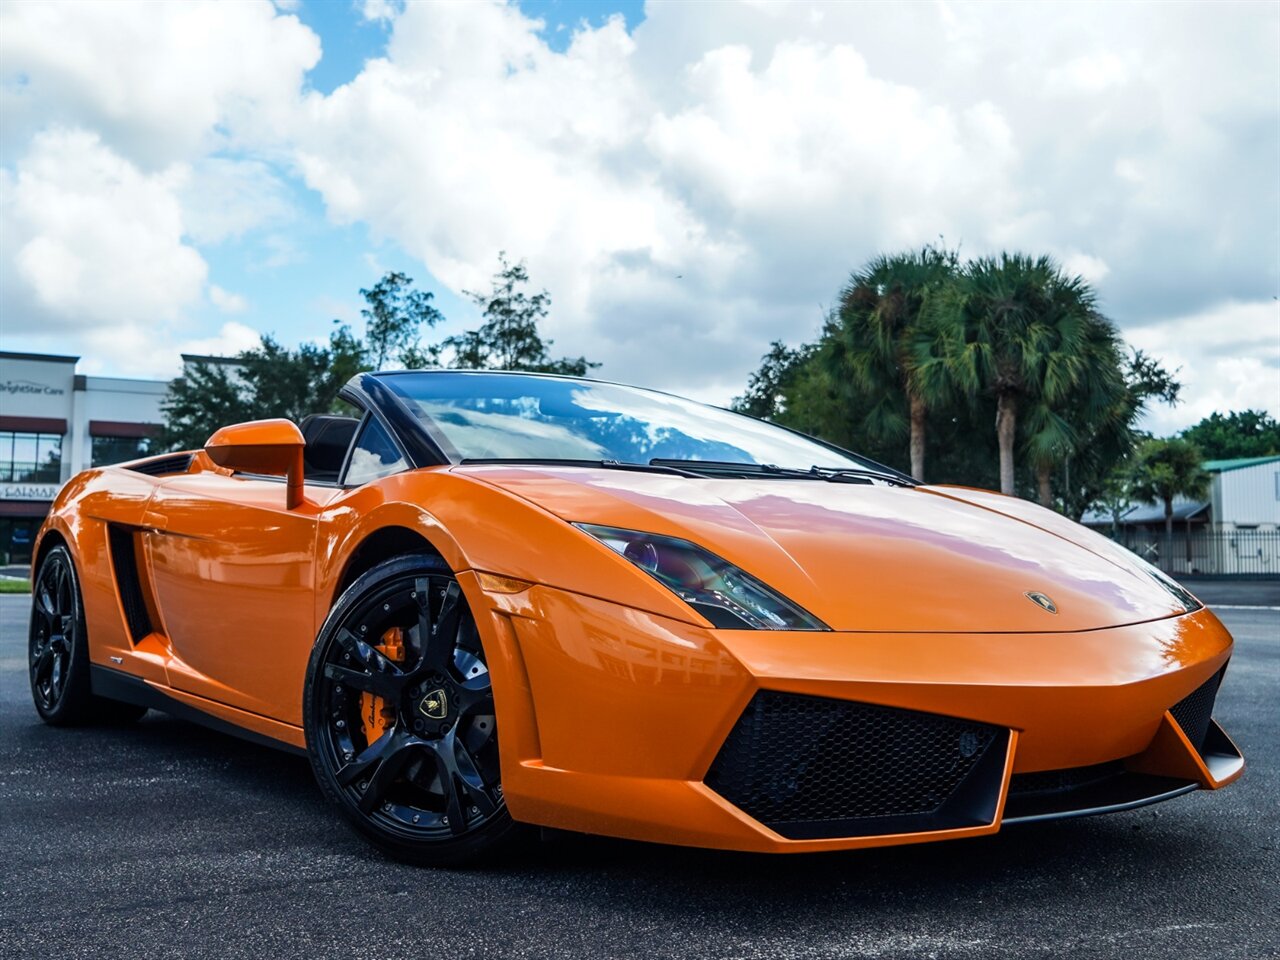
[493,599]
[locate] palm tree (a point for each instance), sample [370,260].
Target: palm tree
[1015,327]
[1089,416]
[1165,470]
[873,332]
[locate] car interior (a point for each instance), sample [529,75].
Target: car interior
[327,436]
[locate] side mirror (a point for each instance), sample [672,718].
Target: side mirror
[272,447]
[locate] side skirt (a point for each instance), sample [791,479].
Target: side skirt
[115,685]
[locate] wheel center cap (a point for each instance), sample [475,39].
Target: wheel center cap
[435,705]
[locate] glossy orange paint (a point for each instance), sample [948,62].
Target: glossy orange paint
[273,447]
[613,696]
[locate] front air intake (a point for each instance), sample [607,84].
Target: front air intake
[811,767]
[1194,711]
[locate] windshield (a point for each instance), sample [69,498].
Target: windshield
[477,416]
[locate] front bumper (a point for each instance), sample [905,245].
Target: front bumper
[613,720]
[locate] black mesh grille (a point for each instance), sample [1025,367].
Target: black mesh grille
[178,463]
[1194,711]
[809,766]
[1062,781]
[124,562]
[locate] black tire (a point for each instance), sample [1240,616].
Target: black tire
[58,650]
[420,778]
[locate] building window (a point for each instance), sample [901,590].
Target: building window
[108,450]
[30,457]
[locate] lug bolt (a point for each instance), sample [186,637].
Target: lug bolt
[386,606]
[386,808]
[444,728]
[416,818]
[418,725]
[445,821]
[364,628]
[342,724]
[338,688]
[364,785]
[348,755]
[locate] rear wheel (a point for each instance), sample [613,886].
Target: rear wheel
[400,720]
[58,650]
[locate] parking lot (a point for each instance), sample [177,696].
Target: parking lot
[166,840]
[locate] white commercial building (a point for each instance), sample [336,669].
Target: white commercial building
[54,423]
[1235,531]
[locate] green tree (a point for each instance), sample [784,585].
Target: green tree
[765,396]
[1107,437]
[1115,498]
[1068,446]
[268,381]
[207,396]
[509,338]
[871,344]
[1166,469]
[1246,433]
[1015,327]
[394,316]
[1090,411]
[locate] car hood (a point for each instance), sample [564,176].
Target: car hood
[872,558]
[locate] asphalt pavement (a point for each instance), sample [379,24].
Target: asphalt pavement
[165,840]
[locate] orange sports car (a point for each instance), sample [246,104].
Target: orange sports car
[492,599]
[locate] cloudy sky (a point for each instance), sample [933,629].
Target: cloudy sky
[688,180]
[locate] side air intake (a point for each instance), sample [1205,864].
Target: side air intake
[161,466]
[124,565]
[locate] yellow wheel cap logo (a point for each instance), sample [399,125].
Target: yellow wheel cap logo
[1042,600]
[435,705]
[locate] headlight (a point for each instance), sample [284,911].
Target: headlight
[725,595]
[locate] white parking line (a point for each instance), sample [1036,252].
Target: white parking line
[1237,606]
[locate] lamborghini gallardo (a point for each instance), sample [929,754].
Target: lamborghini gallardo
[484,600]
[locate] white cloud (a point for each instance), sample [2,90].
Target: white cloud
[380,9]
[709,181]
[1092,73]
[1092,269]
[232,338]
[223,199]
[160,81]
[752,185]
[1228,359]
[91,240]
[226,301]
[687,192]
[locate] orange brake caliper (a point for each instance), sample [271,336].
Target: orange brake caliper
[376,713]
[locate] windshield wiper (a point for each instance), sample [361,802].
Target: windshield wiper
[599,464]
[829,474]
[859,475]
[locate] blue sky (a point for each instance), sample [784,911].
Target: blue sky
[690,181]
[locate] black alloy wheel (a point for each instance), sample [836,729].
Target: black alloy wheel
[400,720]
[58,649]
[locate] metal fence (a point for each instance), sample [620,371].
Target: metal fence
[1207,551]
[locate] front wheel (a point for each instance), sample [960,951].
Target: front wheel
[399,716]
[58,650]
